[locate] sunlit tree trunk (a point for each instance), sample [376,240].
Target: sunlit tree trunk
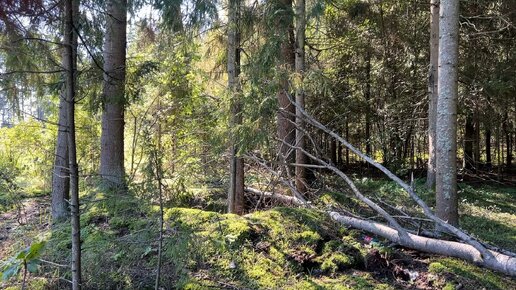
[300,94]
[71,8]
[112,138]
[236,184]
[432,91]
[61,175]
[446,146]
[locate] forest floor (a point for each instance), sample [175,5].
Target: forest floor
[274,248]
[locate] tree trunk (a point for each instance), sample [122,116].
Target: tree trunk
[347,138]
[432,91]
[446,146]
[287,111]
[71,9]
[112,138]
[508,140]
[476,143]
[61,175]
[300,95]
[236,186]
[368,101]
[469,135]
[333,151]
[500,262]
[489,162]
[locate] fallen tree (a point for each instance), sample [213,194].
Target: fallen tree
[500,262]
[285,199]
[468,249]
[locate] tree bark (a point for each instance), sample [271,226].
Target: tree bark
[501,263]
[61,175]
[446,145]
[71,9]
[469,136]
[368,101]
[489,162]
[507,126]
[432,91]
[286,112]
[112,137]
[236,183]
[300,171]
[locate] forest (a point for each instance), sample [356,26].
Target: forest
[268,144]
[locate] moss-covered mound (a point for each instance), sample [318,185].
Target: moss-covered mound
[280,248]
[276,249]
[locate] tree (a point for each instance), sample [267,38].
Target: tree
[71,9]
[61,175]
[432,91]
[446,125]
[300,94]
[236,184]
[286,62]
[112,137]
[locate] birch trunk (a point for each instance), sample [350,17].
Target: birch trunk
[446,125]
[112,137]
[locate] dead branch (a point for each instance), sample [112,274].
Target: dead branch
[486,254]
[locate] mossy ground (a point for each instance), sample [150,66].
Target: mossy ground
[279,248]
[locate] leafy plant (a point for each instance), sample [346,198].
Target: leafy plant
[27,259]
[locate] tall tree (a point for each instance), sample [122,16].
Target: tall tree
[287,111]
[236,185]
[446,125]
[61,175]
[71,9]
[432,90]
[300,171]
[112,137]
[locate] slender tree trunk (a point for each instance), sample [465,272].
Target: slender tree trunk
[446,146]
[476,143]
[61,175]
[236,183]
[159,176]
[112,138]
[300,95]
[71,9]
[489,162]
[333,151]
[368,101]
[433,91]
[469,135]
[508,140]
[287,111]
[347,138]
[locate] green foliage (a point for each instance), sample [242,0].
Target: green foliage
[27,259]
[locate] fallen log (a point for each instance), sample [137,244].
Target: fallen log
[469,250]
[499,262]
[276,196]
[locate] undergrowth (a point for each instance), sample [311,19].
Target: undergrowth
[279,248]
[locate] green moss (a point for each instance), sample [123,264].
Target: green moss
[449,286]
[471,276]
[437,268]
